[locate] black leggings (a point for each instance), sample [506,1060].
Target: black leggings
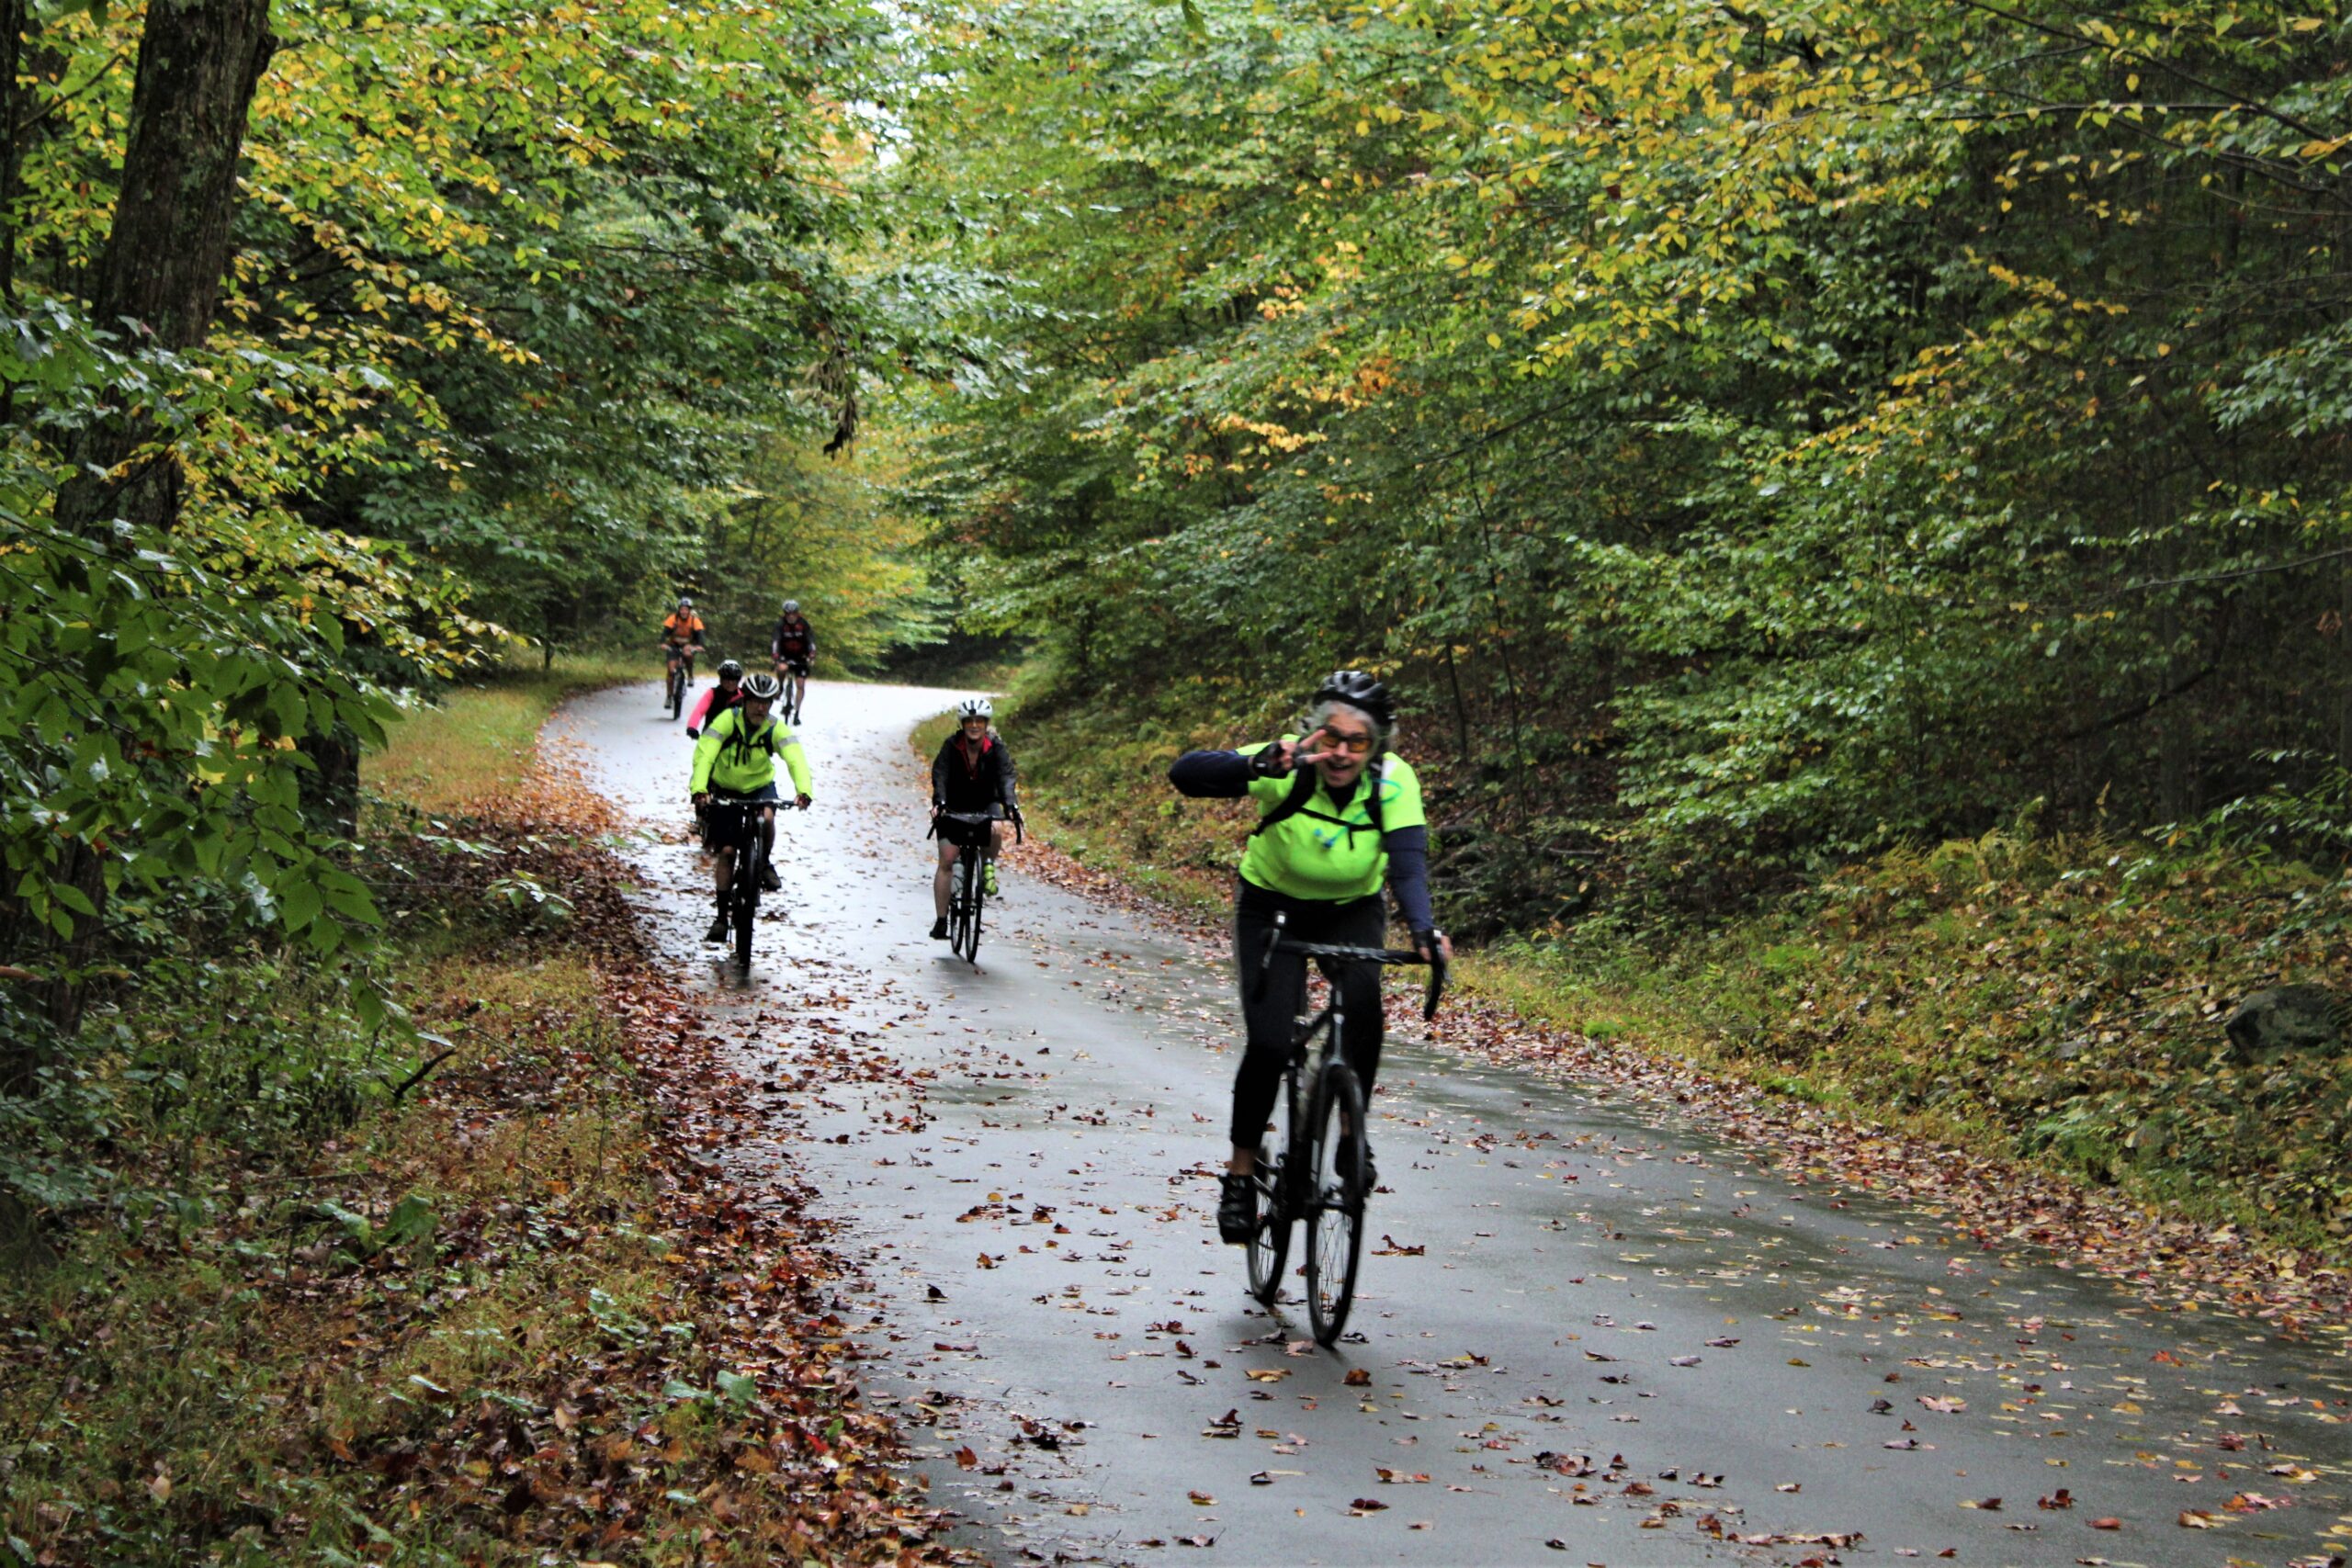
[1354,922]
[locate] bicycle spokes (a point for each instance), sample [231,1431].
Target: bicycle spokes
[1334,1200]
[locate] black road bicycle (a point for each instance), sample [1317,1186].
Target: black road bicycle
[750,860]
[965,890]
[681,676]
[1311,1166]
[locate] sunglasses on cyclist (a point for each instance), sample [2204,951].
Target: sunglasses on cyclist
[1354,745]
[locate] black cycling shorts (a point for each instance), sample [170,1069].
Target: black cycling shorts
[796,663]
[723,828]
[953,830]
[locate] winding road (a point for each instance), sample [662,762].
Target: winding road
[1588,1331]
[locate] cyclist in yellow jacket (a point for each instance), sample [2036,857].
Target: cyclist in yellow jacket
[736,757]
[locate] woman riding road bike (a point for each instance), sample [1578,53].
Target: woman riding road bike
[972,775]
[737,756]
[1341,819]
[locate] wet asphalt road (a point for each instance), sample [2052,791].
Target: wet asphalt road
[1585,1333]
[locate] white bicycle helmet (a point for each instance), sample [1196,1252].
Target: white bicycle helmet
[761,687]
[792,606]
[975,707]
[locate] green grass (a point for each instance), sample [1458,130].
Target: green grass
[478,741]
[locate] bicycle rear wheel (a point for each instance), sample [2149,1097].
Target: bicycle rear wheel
[1334,1200]
[1270,1239]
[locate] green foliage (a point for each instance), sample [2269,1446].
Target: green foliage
[1751,438]
[525,314]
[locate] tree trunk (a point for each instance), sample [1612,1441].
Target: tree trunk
[2344,669]
[159,279]
[13,22]
[199,61]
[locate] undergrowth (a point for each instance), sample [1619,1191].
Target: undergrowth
[429,1293]
[2062,998]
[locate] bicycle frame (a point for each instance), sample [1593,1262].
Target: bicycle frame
[678,674]
[1321,1175]
[748,854]
[966,893]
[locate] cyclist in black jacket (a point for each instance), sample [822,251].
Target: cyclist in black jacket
[973,773]
[794,648]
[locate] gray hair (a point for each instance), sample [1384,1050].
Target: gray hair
[1323,710]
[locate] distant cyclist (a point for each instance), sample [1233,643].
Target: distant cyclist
[973,776]
[737,755]
[719,699]
[794,648]
[1341,817]
[682,630]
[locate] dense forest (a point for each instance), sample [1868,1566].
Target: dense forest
[1754,436]
[348,344]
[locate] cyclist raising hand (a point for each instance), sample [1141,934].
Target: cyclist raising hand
[1343,818]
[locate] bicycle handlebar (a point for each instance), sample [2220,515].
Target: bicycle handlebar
[1013,816]
[1339,952]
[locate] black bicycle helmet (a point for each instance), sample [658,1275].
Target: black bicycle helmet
[1359,690]
[730,670]
[761,687]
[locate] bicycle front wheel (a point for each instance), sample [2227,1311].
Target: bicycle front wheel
[967,931]
[748,865]
[1270,1239]
[1334,1200]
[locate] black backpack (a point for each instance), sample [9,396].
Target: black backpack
[765,739]
[1302,790]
